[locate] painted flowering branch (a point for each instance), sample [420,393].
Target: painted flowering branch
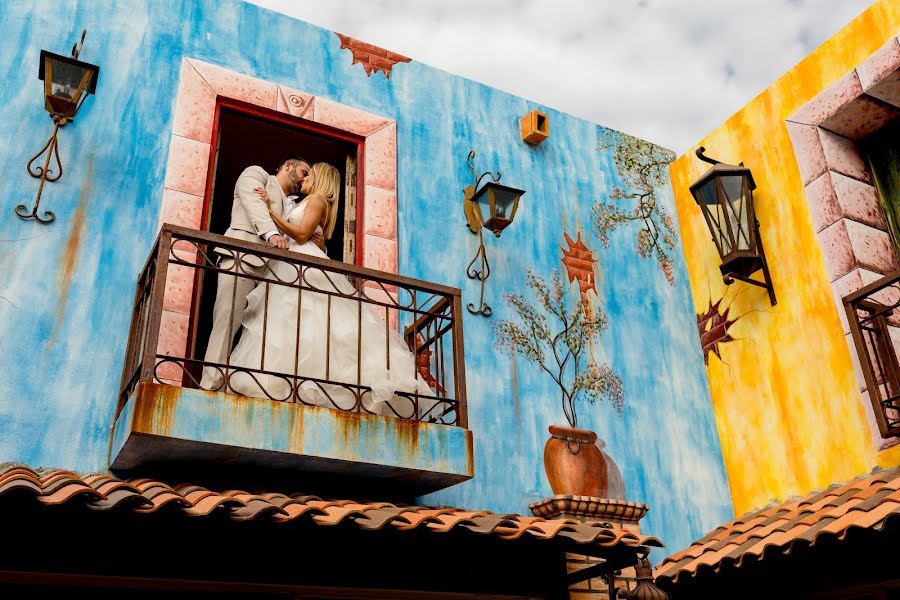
[559,350]
[642,167]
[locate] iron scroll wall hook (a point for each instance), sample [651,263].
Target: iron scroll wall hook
[699,152]
[45,173]
[475,224]
[67,84]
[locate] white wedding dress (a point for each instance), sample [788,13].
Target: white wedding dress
[330,326]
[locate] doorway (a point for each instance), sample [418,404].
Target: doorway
[248,136]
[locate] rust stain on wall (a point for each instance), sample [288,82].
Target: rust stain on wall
[408,433]
[154,409]
[348,425]
[70,252]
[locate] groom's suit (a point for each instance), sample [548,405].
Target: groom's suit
[249,221]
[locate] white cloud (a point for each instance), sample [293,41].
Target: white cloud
[666,70]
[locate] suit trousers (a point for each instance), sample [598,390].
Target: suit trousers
[231,300]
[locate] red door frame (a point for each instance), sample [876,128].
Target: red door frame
[291,121]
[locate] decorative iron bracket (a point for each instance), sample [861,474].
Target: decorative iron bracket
[766,283]
[474,223]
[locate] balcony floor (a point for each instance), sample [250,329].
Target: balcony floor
[177,429]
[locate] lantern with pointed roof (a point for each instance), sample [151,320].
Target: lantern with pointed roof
[725,196]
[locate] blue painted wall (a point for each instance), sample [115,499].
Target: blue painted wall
[67,288]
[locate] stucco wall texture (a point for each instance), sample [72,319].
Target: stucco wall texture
[787,402]
[68,287]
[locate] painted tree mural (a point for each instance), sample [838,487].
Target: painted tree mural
[643,168]
[556,335]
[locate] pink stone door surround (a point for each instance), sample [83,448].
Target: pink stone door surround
[850,224]
[201,85]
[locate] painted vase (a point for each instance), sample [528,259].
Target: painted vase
[574,464]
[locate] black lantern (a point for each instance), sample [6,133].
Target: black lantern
[67,84]
[500,203]
[725,196]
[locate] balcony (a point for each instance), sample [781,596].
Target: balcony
[291,397]
[872,313]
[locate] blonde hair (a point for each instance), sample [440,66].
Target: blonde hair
[327,183]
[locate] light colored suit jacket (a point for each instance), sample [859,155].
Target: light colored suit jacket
[249,213]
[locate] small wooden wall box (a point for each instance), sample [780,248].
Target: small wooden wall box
[535,127]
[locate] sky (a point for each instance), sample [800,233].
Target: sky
[668,71]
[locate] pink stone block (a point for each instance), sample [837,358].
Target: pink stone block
[807,150]
[842,156]
[830,101]
[179,293]
[182,209]
[195,106]
[872,247]
[187,165]
[888,89]
[173,330]
[878,66]
[860,118]
[381,158]
[293,102]
[823,202]
[858,201]
[837,250]
[347,118]
[380,212]
[380,254]
[237,85]
[380,311]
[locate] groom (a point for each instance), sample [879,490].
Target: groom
[250,222]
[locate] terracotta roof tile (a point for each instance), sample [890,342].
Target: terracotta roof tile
[103,492]
[865,502]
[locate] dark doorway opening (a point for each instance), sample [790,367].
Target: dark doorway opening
[243,138]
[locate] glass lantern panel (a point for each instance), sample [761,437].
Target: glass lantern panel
[738,213]
[503,202]
[66,80]
[713,209]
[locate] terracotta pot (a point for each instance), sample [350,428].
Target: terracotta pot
[573,462]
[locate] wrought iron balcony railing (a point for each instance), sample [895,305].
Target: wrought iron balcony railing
[874,319]
[366,315]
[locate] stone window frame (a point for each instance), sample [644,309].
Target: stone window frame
[850,224]
[200,86]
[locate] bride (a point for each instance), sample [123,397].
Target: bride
[333,332]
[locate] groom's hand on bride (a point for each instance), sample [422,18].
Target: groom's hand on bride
[278,241]
[319,240]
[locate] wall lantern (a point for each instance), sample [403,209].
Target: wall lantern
[67,84]
[499,203]
[725,195]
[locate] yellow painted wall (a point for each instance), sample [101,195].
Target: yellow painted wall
[785,395]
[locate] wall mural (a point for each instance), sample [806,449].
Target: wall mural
[71,287]
[788,397]
[372,58]
[556,333]
[643,168]
[713,325]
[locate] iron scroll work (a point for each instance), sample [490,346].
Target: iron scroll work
[67,84]
[484,270]
[498,203]
[426,315]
